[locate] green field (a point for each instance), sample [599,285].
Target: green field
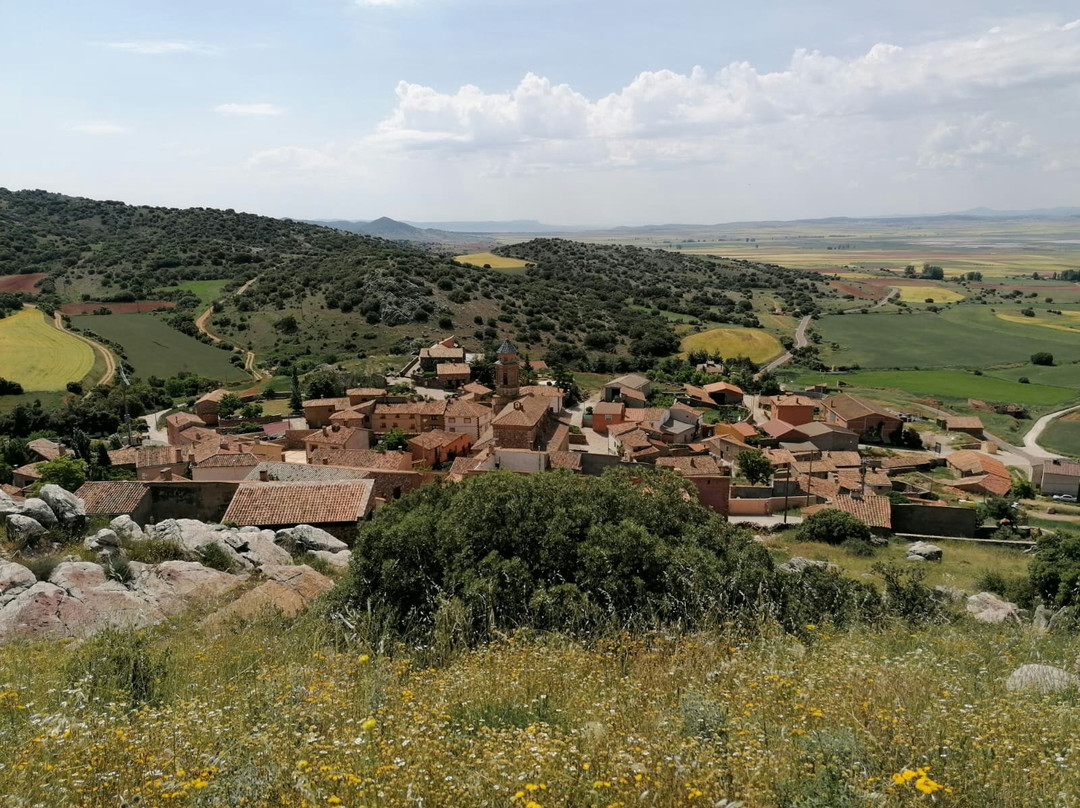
[758,345]
[39,356]
[208,291]
[155,349]
[960,384]
[970,336]
[1062,435]
[1056,376]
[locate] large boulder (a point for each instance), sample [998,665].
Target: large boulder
[306,537]
[286,592]
[175,585]
[69,509]
[39,511]
[923,551]
[987,607]
[24,530]
[339,559]
[126,528]
[7,504]
[301,578]
[1041,679]
[104,539]
[799,564]
[194,537]
[261,551]
[14,578]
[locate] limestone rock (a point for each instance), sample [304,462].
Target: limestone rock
[69,509]
[261,551]
[307,537]
[41,513]
[798,564]
[14,578]
[105,538]
[987,607]
[949,593]
[24,530]
[339,559]
[925,551]
[288,590]
[1041,679]
[308,583]
[126,528]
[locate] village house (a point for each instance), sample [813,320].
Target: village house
[631,442]
[711,478]
[553,394]
[357,416]
[152,462]
[782,431]
[45,449]
[1057,476]
[335,507]
[206,407]
[829,437]
[792,408]
[224,467]
[444,351]
[873,424]
[412,417]
[967,424]
[176,423]
[607,414]
[365,459]
[979,473]
[344,438]
[477,391]
[361,395]
[740,429]
[633,389]
[467,417]
[107,499]
[875,511]
[438,446]
[726,447]
[317,411]
[724,394]
[521,424]
[452,375]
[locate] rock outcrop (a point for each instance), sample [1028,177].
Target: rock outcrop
[306,537]
[24,530]
[798,564]
[288,590]
[1041,679]
[68,508]
[987,607]
[923,551]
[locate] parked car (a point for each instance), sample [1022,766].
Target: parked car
[1064,498]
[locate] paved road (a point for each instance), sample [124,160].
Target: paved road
[153,434]
[1031,445]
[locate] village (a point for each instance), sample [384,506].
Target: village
[764,460]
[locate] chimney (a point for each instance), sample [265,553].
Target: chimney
[164,474]
[61,450]
[335,428]
[518,405]
[326,430]
[264,475]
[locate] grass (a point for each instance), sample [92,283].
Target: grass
[39,356]
[155,349]
[1068,321]
[753,343]
[492,260]
[965,336]
[1062,435]
[207,291]
[919,294]
[1067,375]
[960,384]
[276,713]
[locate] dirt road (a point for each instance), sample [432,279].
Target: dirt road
[249,356]
[106,354]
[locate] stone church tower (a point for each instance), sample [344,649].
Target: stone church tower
[507,375]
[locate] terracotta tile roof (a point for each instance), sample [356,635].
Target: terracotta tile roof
[696,392]
[293,503]
[719,441]
[1067,468]
[850,407]
[229,461]
[30,470]
[436,439]
[826,489]
[146,456]
[844,459]
[213,396]
[818,466]
[722,387]
[987,483]
[873,510]
[635,438]
[793,400]
[906,460]
[112,497]
[460,408]
[640,414]
[12,491]
[365,391]
[197,434]
[542,390]
[477,389]
[48,449]
[441,351]
[527,412]
[632,394]
[302,472]
[336,436]
[565,460]
[181,418]
[816,429]
[452,369]
[633,380]
[412,408]
[336,403]
[779,429]
[363,459]
[955,422]
[693,465]
[609,408]
[967,461]
[463,465]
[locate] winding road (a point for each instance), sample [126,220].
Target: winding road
[97,347]
[1031,445]
[249,356]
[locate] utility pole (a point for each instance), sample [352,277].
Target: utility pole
[127,412]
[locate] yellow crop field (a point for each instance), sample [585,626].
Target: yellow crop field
[1066,321]
[492,260]
[38,356]
[918,294]
[753,343]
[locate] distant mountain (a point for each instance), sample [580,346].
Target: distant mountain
[385,227]
[1034,213]
[507,226]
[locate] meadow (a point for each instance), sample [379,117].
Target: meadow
[39,356]
[1066,321]
[758,345]
[490,259]
[207,291]
[155,349]
[1062,435]
[282,713]
[920,294]
[960,384]
[965,336]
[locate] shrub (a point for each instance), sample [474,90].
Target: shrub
[1015,588]
[1054,572]
[832,526]
[118,569]
[1042,358]
[906,597]
[153,551]
[558,552]
[213,555]
[42,566]
[118,665]
[858,547]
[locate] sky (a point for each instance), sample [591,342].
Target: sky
[572,112]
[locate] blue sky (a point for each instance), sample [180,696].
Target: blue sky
[571,112]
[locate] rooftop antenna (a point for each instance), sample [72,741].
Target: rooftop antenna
[127,384]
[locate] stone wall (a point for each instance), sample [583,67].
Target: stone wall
[934,520]
[205,501]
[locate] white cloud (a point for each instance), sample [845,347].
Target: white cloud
[975,142]
[292,158]
[159,47]
[99,128]
[254,110]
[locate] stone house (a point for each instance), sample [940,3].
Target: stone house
[1057,476]
[872,423]
[444,351]
[521,424]
[317,411]
[341,438]
[412,418]
[176,423]
[206,407]
[438,446]
[108,499]
[335,507]
[467,417]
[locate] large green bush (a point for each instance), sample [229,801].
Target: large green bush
[554,551]
[832,526]
[1055,569]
